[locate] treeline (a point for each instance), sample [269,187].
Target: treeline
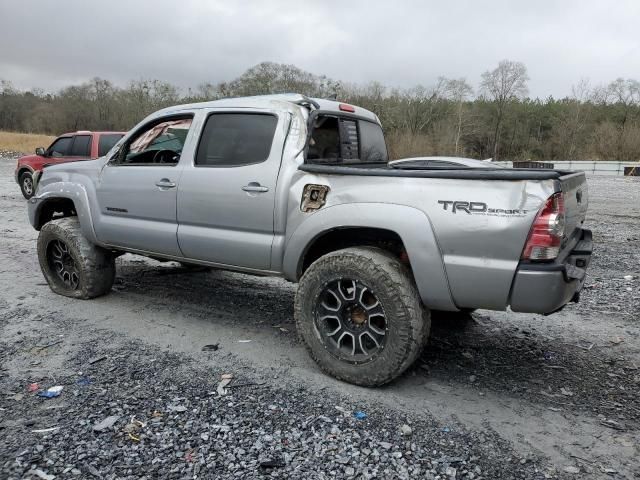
[498,119]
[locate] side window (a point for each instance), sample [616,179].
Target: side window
[60,148]
[158,143]
[81,146]
[234,139]
[107,141]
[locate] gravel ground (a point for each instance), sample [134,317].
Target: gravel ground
[172,423]
[496,395]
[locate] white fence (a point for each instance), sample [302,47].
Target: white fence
[589,167]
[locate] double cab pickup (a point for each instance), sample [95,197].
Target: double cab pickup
[302,188]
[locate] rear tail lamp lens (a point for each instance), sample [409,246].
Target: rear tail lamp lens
[547,231]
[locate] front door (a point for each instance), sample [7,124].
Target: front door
[137,189]
[227,194]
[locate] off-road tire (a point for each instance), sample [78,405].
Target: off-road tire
[26,177]
[408,320]
[96,266]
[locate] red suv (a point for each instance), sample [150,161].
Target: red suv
[70,147]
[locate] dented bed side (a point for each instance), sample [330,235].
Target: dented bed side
[461,257]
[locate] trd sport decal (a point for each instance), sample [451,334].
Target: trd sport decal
[479,208]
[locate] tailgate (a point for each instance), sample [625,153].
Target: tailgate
[576,200]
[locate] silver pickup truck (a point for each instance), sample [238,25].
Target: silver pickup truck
[301,188]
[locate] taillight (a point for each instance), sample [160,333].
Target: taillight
[547,231]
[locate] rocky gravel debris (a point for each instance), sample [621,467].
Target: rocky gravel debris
[158,414]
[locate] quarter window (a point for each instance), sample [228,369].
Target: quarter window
[234,139]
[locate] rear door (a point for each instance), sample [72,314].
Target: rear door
[80,148]
[226,194]
[137,188]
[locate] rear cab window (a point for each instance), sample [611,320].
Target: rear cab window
[106,141]
[337,139]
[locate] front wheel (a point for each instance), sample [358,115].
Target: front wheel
[73,266]
[26,185]
[360,316]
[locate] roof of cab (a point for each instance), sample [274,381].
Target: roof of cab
[268,101]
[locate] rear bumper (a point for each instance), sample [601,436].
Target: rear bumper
[547,287]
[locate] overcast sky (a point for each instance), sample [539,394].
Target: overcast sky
[50,44]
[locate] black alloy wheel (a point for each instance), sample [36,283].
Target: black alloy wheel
[62,263]
[351,321]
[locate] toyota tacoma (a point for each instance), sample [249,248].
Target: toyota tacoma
[301,188]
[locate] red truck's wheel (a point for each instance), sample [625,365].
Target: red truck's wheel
[360,315]
[26,185]
[73,266]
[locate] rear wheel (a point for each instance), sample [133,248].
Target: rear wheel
[73,266]
[360,315]
[26,185]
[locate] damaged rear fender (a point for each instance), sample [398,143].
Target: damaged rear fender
[410,224]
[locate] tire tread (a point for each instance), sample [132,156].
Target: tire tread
[396,278]
[97,265]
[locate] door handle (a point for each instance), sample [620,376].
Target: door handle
[255,187]
[165,183]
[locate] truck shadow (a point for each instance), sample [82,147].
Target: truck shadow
[490,355]
[209,293]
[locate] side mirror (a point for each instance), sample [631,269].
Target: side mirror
[40,151]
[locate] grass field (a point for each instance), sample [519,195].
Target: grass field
[23,142]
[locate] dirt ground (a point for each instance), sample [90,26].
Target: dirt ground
[528,396]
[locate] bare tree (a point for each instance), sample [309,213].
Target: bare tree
[625,95]
[458,90]
[422,106]
[580,94]
[502,85]
[269,77]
